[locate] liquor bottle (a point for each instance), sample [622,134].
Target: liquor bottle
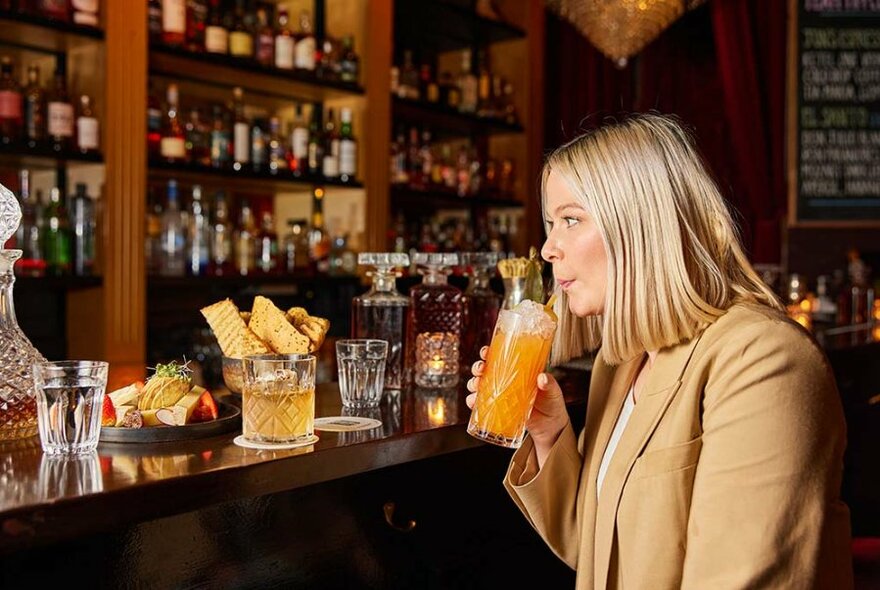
[426,158]
[430,90]
[56,236]
[347,148]
[88,135]
[485,106]
[221,140]
[304,55]
[267,246]
[315,146]
[245,241]
[510,116]
[10,104]
[330,166]
[285,44]
[28,237]
[199,239]
[153,233]
[221,238]
[277,159]
[409,78]
[434,322]
[82,220]
[241,40]
[349,64]
[52,9]
[59,112]
[467,83]
[399,172]
[85,12]
[381,312]
[450,94]
[264,42]
[413,161]
[296,246]
[173,235]
[241,131]
[319,241]
[481,306]
[198,140]
[216,33]
[196,23]
[259,146]
[154,20]
[174,22]
[299,143]
[34,109]
[172,148]
[154,123]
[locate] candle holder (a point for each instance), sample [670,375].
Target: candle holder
[436,359]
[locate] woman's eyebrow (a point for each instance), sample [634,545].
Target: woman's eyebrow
[564,206]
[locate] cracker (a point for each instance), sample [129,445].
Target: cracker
[297,315]
[270,323]
[233,335]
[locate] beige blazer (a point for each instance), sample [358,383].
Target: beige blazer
[726,476]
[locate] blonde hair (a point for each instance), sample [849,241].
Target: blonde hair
[675,263]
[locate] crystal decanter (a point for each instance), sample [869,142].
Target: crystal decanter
[381,312]
[481,305]
[18,409]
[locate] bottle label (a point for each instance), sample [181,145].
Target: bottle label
[60,119]
[241,142]
[10,104]
[331,166]
[85,5]
[173,16]
[305,53]
[284,48]
[172,147]
[216,40]
[241,44]
[300,143]
[87,132]
[265,49]
[154,119]
[348,157]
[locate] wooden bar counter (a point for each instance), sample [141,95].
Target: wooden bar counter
[416,502]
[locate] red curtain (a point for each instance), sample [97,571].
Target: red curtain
[721,69]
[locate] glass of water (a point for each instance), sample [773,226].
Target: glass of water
[361,371]
[70,395]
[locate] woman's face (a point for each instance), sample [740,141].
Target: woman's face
[575,249]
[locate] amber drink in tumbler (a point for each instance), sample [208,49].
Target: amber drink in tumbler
[278,399]
[517,355]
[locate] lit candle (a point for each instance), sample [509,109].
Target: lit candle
[436,364]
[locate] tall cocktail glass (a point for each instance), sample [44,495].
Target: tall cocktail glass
[517,355]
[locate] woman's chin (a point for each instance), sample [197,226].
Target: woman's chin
[582,309]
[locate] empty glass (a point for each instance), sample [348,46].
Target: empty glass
[361,371]
[70,396]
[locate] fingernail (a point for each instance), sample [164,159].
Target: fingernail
[542,380]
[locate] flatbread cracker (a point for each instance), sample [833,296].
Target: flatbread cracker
[270,324]
[233,335]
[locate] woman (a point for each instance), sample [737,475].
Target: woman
[712,451]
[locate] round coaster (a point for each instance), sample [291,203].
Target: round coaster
[346,423]
[241,441]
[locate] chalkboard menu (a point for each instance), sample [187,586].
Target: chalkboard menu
[837,121]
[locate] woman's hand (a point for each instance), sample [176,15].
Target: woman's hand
[549,416]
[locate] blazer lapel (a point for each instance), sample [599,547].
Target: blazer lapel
[657,392]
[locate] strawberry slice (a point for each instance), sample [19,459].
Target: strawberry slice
[108,412]
[206,409]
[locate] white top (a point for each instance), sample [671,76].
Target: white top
[625,412]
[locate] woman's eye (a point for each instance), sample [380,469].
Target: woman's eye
[570,221]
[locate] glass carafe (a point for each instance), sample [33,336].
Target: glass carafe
[381,312]
[18,409]
[481,305]
[434,326]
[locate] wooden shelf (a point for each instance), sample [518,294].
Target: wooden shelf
[448,25]
[245,178]
[66,283]
[408,199]
[42,156]
[43,34]
[227,72]
[445,122]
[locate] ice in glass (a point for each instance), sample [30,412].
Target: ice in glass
[278,399]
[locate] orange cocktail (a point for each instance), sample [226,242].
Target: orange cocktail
[517,355]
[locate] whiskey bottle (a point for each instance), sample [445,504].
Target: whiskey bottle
[216,33]
[87,128]
[221,238]
[221,139]
[277,160]
[264,49]
[241,131]
[199,235]
[468,85]
[349,65]
[10,104]
[241,40]
[330,166]
[305,44]
[173,22]
[172,148]
[347,148]
[245,240]
[34,109]
[315,146]
[198,142]
[196,23]
[299,143]
[284,42]
[267,246]
[59,112]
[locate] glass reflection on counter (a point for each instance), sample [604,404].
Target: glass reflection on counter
[436,407]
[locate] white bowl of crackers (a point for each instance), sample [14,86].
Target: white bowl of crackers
[265,329]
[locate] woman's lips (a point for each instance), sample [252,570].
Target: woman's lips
[564,284]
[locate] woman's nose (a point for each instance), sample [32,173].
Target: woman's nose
[549,251]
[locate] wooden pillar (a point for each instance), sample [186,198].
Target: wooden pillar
[535,121]
[380,17]
[112,321]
